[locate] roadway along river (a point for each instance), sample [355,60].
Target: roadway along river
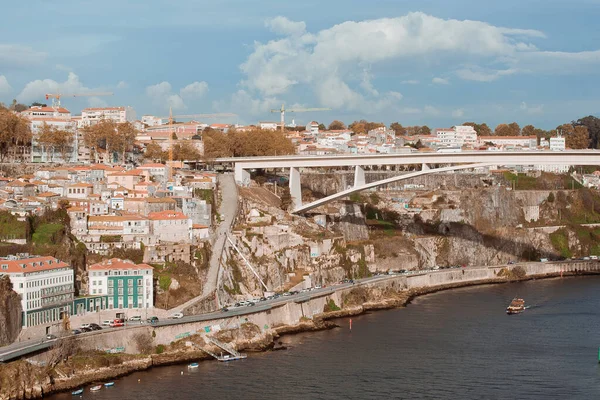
[456,344]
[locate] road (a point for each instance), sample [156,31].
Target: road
[228,211]
[19,349]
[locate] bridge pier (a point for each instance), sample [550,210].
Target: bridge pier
[359,176]
[295,188]
[242,177]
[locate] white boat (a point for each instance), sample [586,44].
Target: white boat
[95,388]
[109,384]
[193,365]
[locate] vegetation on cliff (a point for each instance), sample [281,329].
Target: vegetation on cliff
[10,312]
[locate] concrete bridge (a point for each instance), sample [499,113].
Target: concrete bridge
[427,161]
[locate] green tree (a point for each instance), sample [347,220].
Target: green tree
[336,125]
[164,282]
[593,126]
[322,127]
[398,128]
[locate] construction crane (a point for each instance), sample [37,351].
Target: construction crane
[56,96]
[283,110]
[171,117]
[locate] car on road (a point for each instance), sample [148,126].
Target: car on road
[117,322]
[318,287]
[224,309]
[50,336]
[135,318]
[75,331]
[95,327]
[84,326]
[152,320]
[85,329]
[106,322]
[177,315]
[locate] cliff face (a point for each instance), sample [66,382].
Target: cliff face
[10,312]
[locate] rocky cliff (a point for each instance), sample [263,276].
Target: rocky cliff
[10,312]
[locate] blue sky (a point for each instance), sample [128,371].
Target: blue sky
[433,62]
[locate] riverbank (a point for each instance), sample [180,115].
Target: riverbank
[23,380]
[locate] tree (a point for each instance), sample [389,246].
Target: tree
[336,125]
[98,138]
[322,127]
[36,104]
[256,142]
[425,130]
[399,129]
[528,130]
[481,129]
[124,139]
[593,125]
[18,107]
[576,137]
[164,282]
[15,132]
[57,139]
[502,130]
[154,152]
[515,129]
[364,126]
[185,150]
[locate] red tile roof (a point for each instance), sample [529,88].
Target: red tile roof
[166,215]
[41,264]
[117,263]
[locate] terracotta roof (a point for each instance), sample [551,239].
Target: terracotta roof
[61,110]
[117,263]
[152,165]
[507,137]
[47,194]
[166,215]
[198,226]
[103,109]
[82,184]
[41,264]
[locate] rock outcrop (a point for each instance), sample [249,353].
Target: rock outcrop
[10,312]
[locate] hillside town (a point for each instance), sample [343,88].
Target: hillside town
[128,192]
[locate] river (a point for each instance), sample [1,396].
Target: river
[456,344]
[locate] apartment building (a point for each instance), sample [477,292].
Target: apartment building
[457,136]
[45,285]
[127,285]
[502,141]
[91,116]
[170,226]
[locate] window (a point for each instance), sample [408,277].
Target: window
[110,291]
[110,283]
[130,283]
[120,291]
[139,282]
[120,283]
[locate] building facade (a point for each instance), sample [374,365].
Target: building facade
[45,285]
[91,116]
[127,285]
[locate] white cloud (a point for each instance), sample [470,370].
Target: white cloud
[14,55]
[36,90]
[440,81]
[458,113]
[478,74]
[243,103]
[539,109]
[5,87]
[410,82]
[194,90]
[329,61]
[283,26]
[159,91]
[122,85]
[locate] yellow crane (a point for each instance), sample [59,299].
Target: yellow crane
[283,110]
[171,117]
[56,96]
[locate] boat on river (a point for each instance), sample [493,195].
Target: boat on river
[516,306]
[109,384]
[77,392]
[193,365]
[95,388]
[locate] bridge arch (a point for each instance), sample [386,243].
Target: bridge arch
[364,186]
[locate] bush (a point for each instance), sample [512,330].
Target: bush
[143,342]
[160,349]
[331,306]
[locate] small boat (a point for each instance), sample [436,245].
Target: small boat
[516,306]
[95,388]
[193,365]
[77,392]
[109,384]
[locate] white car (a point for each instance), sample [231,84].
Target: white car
[136,318]
[106,322]
[177,315]
[84,326]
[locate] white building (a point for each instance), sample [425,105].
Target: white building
[41,153]
[501,141]
[127,285]
[170,226]
[91,116]
[45,285]
[313,128]
[38,111]
[457,136]
[557,144]
[268,125]
[151,120]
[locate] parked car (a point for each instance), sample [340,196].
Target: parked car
[106,322]
[177,315]
[84,326]
[50,336]
[116,323]
[82,329]
[95,327]
[152,320]
[75,331]
[135,318]
[224,309]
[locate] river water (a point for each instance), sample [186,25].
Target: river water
[456,344]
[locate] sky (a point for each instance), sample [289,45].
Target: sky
[429,62]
